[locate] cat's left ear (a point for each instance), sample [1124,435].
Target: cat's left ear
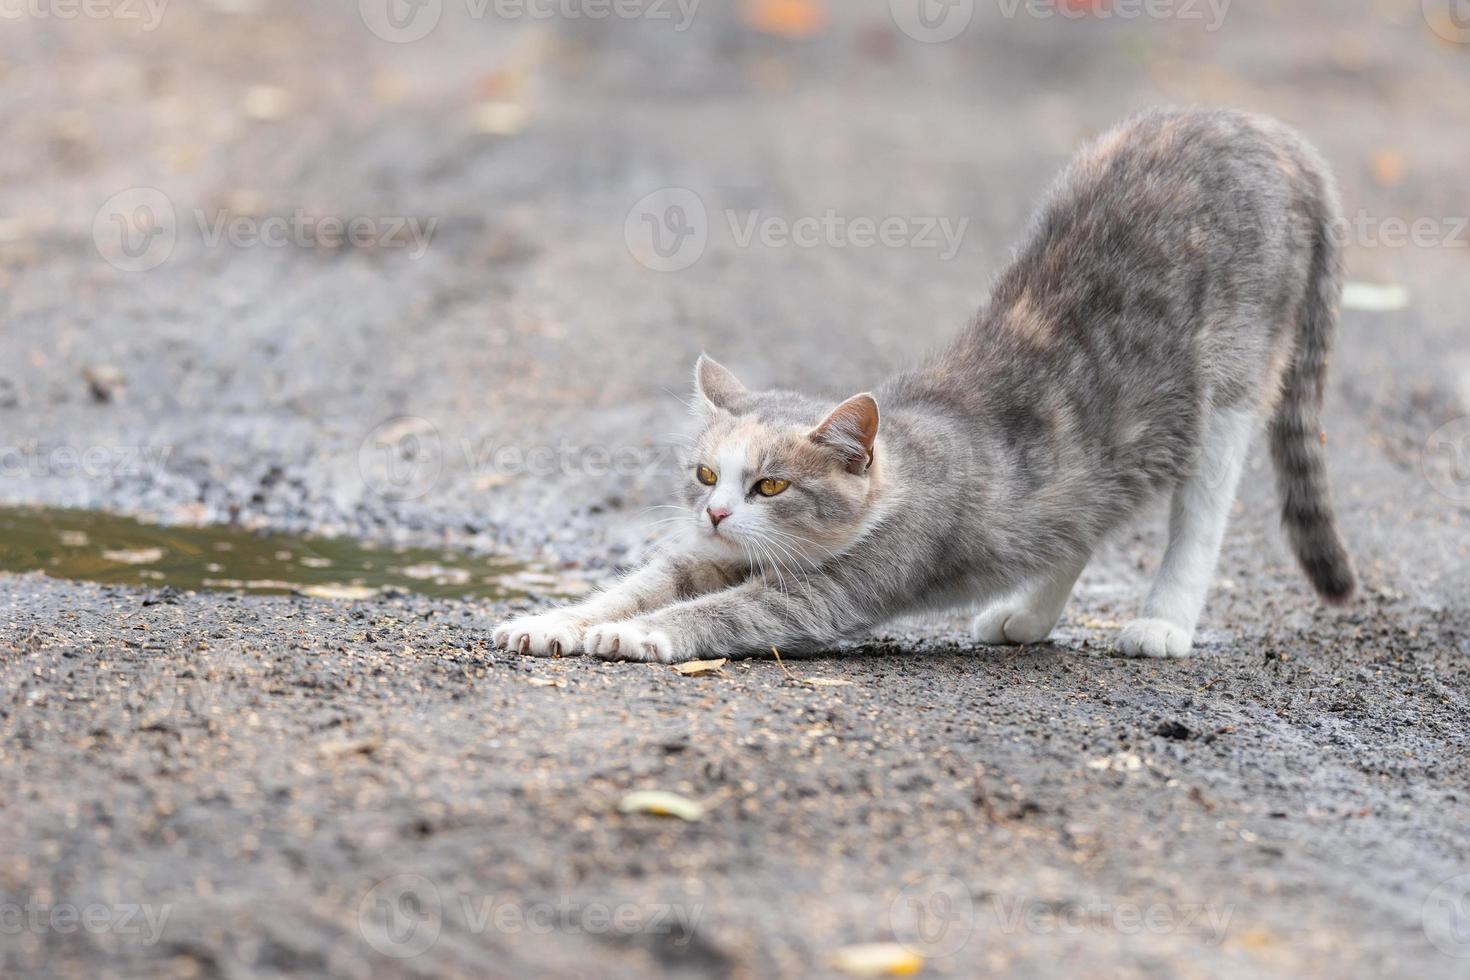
[851,429]
[714,385]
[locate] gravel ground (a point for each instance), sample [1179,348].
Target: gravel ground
[217,785]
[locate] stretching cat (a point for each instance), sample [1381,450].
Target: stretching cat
[1178,288]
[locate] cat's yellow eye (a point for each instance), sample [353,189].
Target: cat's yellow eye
[705,475]
[769,487]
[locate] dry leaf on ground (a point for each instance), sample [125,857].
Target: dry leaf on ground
[878,960]
[698,668]
[787,18]
[662,804]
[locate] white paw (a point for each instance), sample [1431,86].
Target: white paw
[553,634]
[1005,624]
[631,640]
[1154,638]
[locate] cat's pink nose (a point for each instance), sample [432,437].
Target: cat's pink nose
[716,515]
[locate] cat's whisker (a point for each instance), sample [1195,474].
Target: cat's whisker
[792,545]
[661,507]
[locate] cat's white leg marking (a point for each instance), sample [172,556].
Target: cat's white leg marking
[632,640]
[1030,615]
[550,634]
[1197,519]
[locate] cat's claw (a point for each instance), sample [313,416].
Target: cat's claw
[1154,638]
[552,634]
[1006,625]
[631,640]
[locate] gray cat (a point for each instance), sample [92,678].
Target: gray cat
[1178,287]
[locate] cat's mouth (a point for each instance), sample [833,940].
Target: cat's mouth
[726,538]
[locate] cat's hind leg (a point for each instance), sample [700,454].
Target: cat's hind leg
[1029,615]
[1198,514]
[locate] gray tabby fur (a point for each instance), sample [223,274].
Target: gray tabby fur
[1183,272]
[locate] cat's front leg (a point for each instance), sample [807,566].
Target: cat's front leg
[664,580]
[748,618]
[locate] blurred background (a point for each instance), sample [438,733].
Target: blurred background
[251,236]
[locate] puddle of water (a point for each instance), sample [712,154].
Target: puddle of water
[98,547]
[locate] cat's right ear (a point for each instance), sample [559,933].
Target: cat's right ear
[714,386]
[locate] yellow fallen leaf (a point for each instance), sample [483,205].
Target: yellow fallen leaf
[1256,939]
[353,746]
[499,118]
[661,803]
[878,960]
[698,668]
[1388,167]
[786,18]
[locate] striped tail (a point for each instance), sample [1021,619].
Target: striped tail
[1297,440]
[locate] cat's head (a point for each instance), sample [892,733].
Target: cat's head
[776,477]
